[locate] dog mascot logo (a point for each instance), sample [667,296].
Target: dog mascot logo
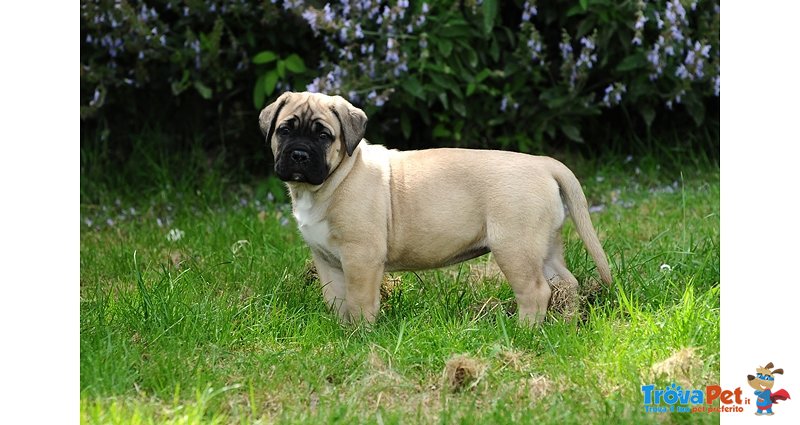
[763,383]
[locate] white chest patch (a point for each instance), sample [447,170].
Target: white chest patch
[311,222]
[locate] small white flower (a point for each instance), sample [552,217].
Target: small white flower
[665,268]
[239,245]
[175,235]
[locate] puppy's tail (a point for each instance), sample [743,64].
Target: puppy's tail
[578,208]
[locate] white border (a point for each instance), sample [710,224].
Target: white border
[39,151]
[760,174]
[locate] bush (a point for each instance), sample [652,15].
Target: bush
[514,78]
[183,68]
[513,75]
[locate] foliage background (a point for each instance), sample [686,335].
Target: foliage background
[534,76]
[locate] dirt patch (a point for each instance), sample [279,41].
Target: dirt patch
[389,285]
[569,300]
[485,270]
[463,372]
[487,308]
[564,299]
[683,367]
[538,387]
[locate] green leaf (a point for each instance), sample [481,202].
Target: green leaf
[405,125]
[631,62]
[472,58]
[575,10]
[446,82]
[550,130]
[412,86]
[489,15]
[440,132]
[494,50]
[482,75]
[443,99]
[258,94]
[585,27]
[648,113]
[460,108]
[445,46]
[584,4]
[696,109]
[281,69]
[270,81]
[295,64]
[264,57]
[471,88]
[203,89]
[572,132]
[455,30]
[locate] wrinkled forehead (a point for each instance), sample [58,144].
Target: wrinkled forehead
[308,110]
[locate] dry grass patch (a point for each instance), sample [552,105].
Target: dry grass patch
[463,372]
[683,366]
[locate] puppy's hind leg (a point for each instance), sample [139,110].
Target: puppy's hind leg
[522,262]
[555,267]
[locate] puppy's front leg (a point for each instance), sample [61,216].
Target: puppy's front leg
[331,279]
[362,275]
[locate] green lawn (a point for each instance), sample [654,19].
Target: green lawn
[227,325]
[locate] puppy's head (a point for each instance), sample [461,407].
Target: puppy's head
[310,134]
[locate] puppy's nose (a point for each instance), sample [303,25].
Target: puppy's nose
[300,156]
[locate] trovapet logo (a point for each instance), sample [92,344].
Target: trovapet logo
[674,398]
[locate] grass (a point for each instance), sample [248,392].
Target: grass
[227,325]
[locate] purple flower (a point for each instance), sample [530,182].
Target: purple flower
[345,7]
[683,73]
[311,18]
[566,49]
[640,21]
[613,94]
[290,4]
[328,15]
[528,11]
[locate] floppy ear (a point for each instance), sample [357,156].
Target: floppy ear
[778,371]
[768,366]
[266,120]
[352,123]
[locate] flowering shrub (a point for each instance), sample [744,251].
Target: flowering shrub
[164,54]
[479,77]
[478,73]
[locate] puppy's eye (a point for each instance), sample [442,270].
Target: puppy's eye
[283,131]
[324,136]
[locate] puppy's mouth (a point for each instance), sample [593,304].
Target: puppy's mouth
[301,163]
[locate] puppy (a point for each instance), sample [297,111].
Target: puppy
[364,209]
